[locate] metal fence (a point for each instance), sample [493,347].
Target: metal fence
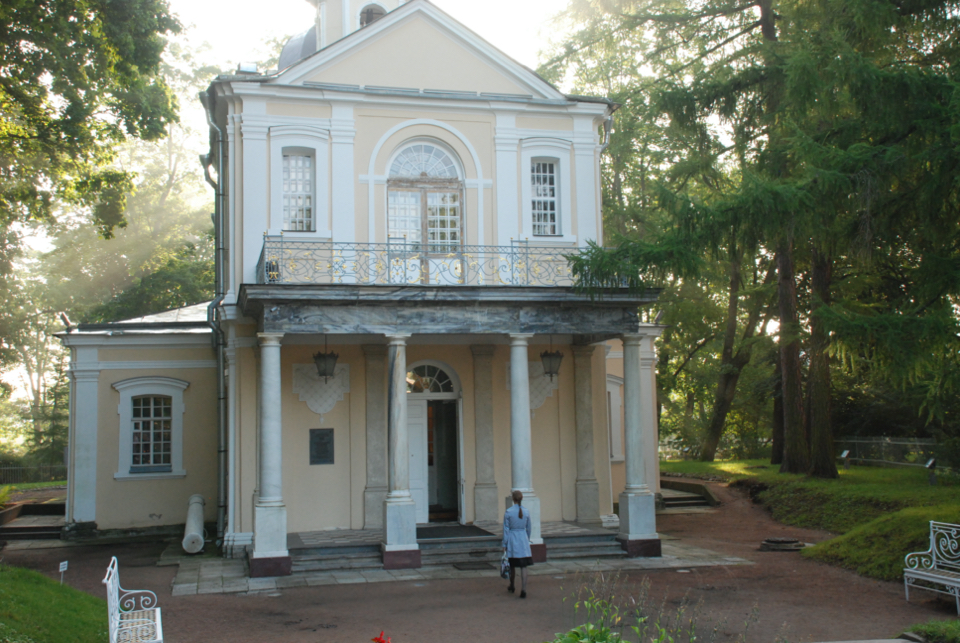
[904,452]
[38,473]
[283,261]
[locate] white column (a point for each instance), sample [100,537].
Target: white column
[507,177]
[637,502]
[399,509]
[521,448]
[82,505]
[270,513]
[376,457]
[588,489]
[343,179]
[485,489]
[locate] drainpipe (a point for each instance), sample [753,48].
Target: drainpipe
[607,126]
[213,316]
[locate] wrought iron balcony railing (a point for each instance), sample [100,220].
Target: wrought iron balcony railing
[397,262]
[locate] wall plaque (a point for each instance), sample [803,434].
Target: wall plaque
[321,446]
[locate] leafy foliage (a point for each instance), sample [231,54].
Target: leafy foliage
[77,77]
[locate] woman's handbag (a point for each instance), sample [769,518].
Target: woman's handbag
[504,566]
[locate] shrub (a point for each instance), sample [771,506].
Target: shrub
[939,631]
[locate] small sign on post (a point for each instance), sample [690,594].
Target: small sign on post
[846,459]
[63,568]
[932,469]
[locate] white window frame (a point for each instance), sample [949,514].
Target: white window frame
[614,399]
[556,151]
[153,386]
[301,140]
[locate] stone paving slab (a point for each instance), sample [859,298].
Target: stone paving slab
[219,575]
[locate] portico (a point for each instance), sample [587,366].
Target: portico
[427,319]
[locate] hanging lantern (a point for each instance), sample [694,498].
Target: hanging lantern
[551,361]
[326,362]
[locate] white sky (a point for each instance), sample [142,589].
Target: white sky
[519,28]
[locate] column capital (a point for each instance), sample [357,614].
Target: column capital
[482,350]
[583,350]
[397,339]
[270,339]
[374,350]
[520,339]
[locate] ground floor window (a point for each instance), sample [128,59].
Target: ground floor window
[151,427]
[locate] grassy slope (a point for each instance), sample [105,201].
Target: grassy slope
[35,609]
[881,514]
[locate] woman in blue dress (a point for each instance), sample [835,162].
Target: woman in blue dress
[516,542]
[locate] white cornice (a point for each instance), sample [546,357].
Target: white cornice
[134,341]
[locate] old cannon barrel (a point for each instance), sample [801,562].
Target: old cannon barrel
[193,534]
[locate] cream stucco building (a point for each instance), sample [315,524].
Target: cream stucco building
[402,195]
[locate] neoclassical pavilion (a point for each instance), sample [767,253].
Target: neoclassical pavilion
[395,211]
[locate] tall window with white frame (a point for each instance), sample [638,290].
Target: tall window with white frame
[298,193]
[545,201]
[152,434]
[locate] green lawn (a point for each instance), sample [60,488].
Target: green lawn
[36,609]
[37,485]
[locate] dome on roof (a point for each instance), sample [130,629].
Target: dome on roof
[298,48]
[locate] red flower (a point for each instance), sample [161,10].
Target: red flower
[380,638]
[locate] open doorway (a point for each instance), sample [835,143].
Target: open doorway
[433,423]
[443,460]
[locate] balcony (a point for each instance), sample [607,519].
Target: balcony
[400,263]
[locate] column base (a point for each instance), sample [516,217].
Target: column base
[373,498]
[401,559]
[399,524]
[638,516]
[588,502]
[647,548]
[485,501]
[270,532]
[271,566]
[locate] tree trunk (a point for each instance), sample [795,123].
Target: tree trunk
[776,457]
[822,464]
[727,382]
[796,457]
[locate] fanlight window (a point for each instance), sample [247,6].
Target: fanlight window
[428,379]
[423,160]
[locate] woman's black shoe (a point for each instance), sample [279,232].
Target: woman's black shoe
[510,589]
[523,593]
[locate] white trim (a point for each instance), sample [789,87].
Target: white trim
[557,151]
[311,139]
[492,56]
[155,364]
[321,34]
[344,19]
[615,355]
[83,439]
[137,339]
[152,385]
[371,170]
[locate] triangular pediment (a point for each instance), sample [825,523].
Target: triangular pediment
[419,47]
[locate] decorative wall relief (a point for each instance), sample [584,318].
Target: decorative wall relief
[321,396]
[541,386]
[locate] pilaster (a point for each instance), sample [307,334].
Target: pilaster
[588,489]
[485,488]
[375,491]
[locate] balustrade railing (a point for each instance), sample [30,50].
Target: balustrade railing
[397,262]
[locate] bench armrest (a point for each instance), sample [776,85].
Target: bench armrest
[919,560]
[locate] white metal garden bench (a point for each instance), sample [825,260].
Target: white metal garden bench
[133,615]
[938,568]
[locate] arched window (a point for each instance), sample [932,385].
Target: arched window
[371,13]
[429,379]
[425,195]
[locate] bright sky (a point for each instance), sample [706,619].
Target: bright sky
[519,28]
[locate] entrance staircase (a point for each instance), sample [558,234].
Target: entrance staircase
[32,522]
[564,541]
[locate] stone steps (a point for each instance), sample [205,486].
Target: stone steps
[29,533]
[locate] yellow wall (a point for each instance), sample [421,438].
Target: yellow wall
[128,503]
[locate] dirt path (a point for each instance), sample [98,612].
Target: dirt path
[799,599]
